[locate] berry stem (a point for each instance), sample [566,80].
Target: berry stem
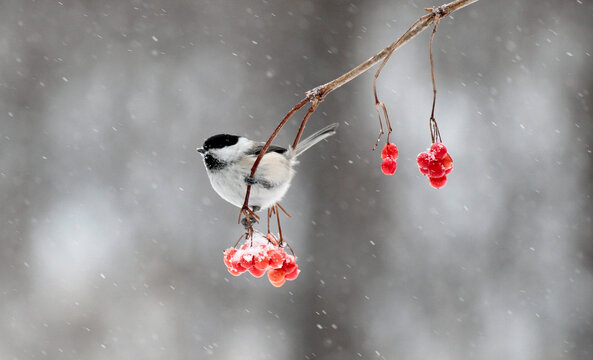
[279,227]
[240,237]
[434,86]
[386,117]
[435,134]
[315,100]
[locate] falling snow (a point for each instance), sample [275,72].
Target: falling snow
[112,237]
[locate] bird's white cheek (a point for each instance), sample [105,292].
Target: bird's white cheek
[232,153]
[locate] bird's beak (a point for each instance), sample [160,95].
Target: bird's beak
[201,150]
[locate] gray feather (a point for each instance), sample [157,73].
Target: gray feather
[324,133]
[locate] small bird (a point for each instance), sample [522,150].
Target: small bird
[229,158]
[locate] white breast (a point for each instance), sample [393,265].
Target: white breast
[275,168]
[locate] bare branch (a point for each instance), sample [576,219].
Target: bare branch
[317,94]
[315,102]
[416,28]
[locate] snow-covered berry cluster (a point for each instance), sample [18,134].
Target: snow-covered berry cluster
[389,156]
[260,254]
[436,163]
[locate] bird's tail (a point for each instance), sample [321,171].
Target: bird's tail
[315,138]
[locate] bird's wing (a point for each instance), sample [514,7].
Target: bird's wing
[273,148]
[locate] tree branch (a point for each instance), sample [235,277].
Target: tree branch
[317,94]
[416,28]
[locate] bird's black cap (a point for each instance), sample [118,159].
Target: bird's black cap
[220,141]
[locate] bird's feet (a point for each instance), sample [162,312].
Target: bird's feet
[248,217]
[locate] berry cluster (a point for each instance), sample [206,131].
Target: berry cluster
[260,254]
[436,163]
[389,156]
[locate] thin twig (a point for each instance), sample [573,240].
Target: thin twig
[434,86]
[279,227]
[240,237]
[321,91]
[420,25]
[377,73]
[315,102]
[381,104]
[245,209]
[283,210]
[435,134]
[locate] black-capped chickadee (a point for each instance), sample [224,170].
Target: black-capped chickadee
[229,158]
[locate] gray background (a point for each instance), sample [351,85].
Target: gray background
[111,238]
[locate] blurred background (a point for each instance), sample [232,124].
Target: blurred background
[111,237]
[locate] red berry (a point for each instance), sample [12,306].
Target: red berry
[390,150]
[436,169]
[293,275]
[247,261]
[436,163]
[277,277]
[447,162]
[424,159]
[439,150]
[262,261]
[438,182]
[289,264]
[236,264]
[257,272]
[228,254]
[388,166]
[279,283]
[276,257]
[233,271]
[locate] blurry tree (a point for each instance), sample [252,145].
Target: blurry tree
[111,237]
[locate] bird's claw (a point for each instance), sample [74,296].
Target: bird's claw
[248,217]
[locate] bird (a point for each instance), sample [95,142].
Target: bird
[228,160]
